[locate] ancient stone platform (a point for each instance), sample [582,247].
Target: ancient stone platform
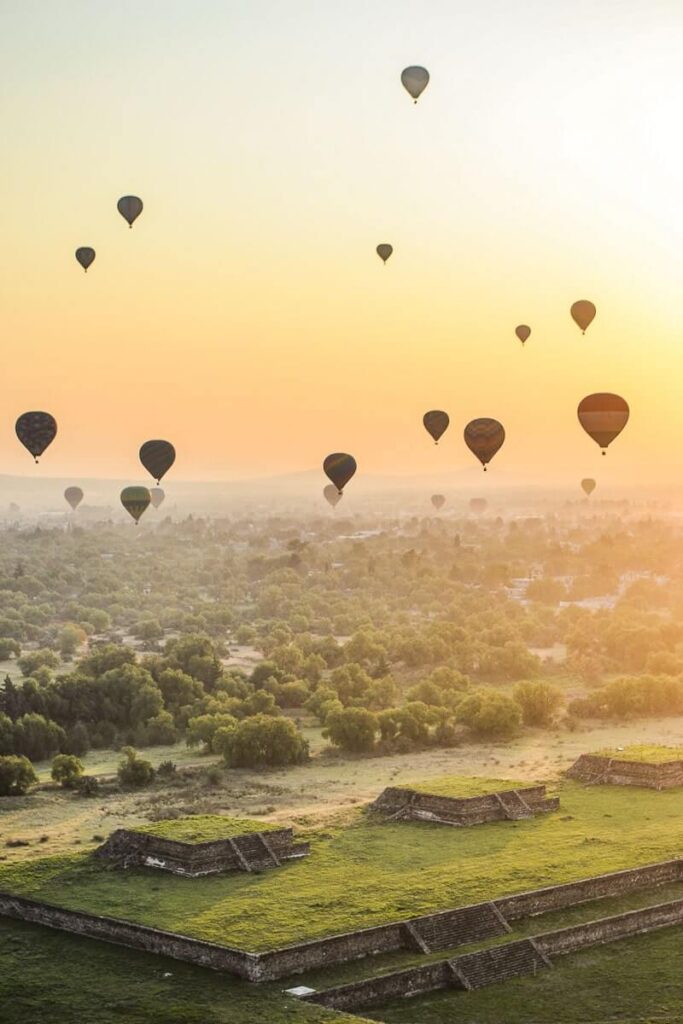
[597,769]
[401,804]
[253,851]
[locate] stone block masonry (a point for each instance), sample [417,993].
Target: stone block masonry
[400,804]
[593,768]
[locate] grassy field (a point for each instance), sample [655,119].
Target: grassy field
[203,828]
[635,981]
[462,786]
[47,976]
[648,753]
[362,872]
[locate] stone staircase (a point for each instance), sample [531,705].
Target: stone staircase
[491,966]
[514,805]
[457,927]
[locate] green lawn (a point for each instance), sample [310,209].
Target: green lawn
[634,981]
[47,977]
[203,828]
[372,872]
[648,753]
[463,786]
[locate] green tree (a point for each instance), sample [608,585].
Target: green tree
[134,772]
[16,775]
[539,701]
[352,729]
[37,737]
[264,740]
[32,660]
[66,769]
[490,714]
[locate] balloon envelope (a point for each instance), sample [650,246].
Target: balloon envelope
[85,256]
[484,437]
[588,485]
[583,313]
[603,417]
[157,457]
[157,496]
[130,208]
[339,467]
[332,495]
[435,423]
[74,495]
[438,501]
[522,332]
[384,251]
[135,500]
[478,505]
[36,430]
[415,80]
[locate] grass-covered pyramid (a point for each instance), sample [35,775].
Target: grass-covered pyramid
[657,767]
[453,800]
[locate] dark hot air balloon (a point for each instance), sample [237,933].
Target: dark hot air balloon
[157,496]
[484,437]
[339,467]
[522,332]
[583,313]
[157,457]
[588,486]
[603,416]
[135,500]
[36,430]
[74,495]
[384,251]
[478,505]
[130,208]
[415,80]
[438,501]
[85,256]
[332,495]
[435,423]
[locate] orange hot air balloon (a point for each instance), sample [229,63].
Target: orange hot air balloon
[522,332]
[588,486]
[438,501]
[484,437]
[583,313]
[435,423]
[603,416]
[384,251]
[332,495]
[339,467]
[478,505]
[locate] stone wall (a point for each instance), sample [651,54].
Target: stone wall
[252,852]
[511,804]
[611,771]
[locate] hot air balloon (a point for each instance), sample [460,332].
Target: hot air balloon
[339,467]
[435,423]
[36,430]
[522,332]
[157,457]
[415,81]
[583,313]
[588,485]
[484,437]
[384,251]
[478,505]
[603,416]
[130,208]
[157,496]
[135,500]
[332,495]
[74,495]
[438,501]
[85,256]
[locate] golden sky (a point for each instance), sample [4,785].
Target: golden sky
[247,318]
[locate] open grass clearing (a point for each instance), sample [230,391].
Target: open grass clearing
[365,872]
[204,828]
[463,787]
[644,753]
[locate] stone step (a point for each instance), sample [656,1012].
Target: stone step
[492,966]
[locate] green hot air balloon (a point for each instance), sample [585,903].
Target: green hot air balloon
[74,496]
[583,313]
[332,495]
[85,256]
[438,501]
[36,430]
[603,417]
[484,437]
[157,496]
[135,500]
[157,457]
[435,423]
[339,467]
[130,208]
[415,80]
[384,251]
